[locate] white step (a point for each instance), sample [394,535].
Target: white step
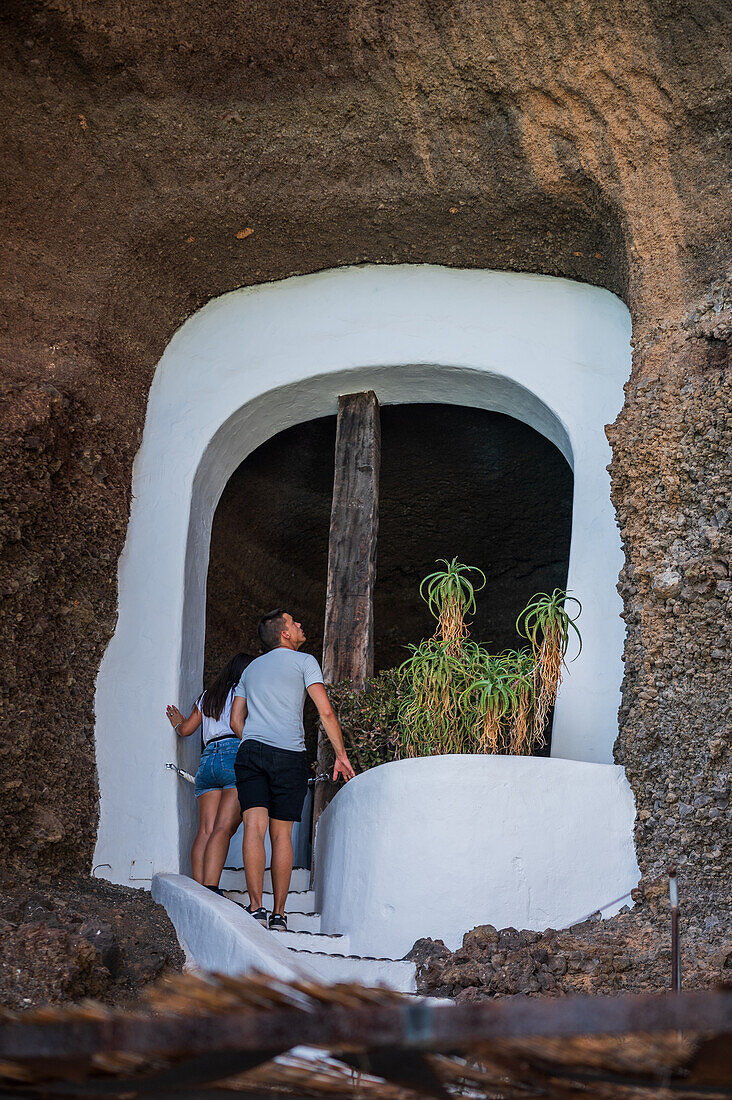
[296,922]
[327,954]
[232,878]
[399,975]
[303,922]
[300,940]
[300,879]
[299,901]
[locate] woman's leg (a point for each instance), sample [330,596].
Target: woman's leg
[226,824]
[208,805]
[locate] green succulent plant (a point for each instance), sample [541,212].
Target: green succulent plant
[547,625]
[452,695]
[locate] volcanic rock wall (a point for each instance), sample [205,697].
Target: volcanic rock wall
[671,475]
[584,140]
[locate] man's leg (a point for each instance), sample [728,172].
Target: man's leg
[255,830]
[280,833]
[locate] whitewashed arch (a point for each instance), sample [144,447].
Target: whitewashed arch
[552,353]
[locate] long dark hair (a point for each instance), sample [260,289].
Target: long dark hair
[213,699]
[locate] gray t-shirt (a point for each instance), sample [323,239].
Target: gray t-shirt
[274,686]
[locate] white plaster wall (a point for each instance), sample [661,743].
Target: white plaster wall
[550,352]
[439,845]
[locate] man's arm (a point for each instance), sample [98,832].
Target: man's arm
[332,727]
[238,714]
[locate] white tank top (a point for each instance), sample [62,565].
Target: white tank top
[211,728]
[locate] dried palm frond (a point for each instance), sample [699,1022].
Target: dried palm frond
[194,1033]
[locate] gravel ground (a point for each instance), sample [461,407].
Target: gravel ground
[62,940]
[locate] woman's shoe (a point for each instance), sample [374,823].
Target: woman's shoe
[277,923]
[260,915]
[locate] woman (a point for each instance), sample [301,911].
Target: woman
[219,813]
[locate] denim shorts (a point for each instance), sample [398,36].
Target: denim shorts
[216,770]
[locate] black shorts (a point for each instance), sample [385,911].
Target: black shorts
[274,778]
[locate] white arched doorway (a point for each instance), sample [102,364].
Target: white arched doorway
[547,351]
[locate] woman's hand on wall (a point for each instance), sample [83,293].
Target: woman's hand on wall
[181,725]
[174,716]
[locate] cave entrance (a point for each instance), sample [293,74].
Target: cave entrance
[450,482]
[550,353]
[455,482]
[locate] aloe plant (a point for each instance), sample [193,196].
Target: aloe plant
[547,625]
[502,699]
[520,669]
[457,697]
[450,596]
[430,717]
[491,699]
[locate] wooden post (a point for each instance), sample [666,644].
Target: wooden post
[348,640]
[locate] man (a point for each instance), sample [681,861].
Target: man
[271,764]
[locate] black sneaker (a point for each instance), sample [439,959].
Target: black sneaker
[277,923]
[260,915]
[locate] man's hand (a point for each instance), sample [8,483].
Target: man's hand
[343,767]
[332,728]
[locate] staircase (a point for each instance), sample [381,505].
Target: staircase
[325,953]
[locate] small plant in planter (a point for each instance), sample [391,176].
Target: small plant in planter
[452,695]
[440,669]
[457,697]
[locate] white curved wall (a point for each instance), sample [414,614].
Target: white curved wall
[438,845]
[547,351]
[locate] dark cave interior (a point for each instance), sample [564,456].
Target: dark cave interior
[455,482]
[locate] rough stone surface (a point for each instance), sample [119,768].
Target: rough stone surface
[671,487]
[629,954]
[586,140]
[64,940]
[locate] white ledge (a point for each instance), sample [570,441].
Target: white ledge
[438,845]
[219,935]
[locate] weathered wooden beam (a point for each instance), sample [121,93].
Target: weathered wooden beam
[76,1032]
[348,641]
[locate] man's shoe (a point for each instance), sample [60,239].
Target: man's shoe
[260,915]
[277,923]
